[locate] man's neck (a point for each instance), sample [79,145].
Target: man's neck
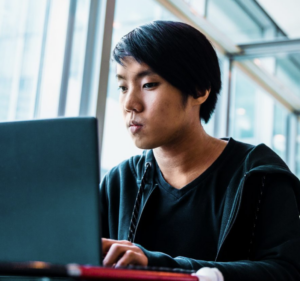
[186,160]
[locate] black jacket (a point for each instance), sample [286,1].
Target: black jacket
[260,229]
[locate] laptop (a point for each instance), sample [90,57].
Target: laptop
[49,191]
[49,203]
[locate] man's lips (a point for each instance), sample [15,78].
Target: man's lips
[134,123]
[135,127]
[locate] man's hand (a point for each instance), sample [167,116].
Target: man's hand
[122,253]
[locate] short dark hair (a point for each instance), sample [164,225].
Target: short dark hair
[180,54]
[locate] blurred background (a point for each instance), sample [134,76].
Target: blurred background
[55,60]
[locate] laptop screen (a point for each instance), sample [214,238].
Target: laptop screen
[49,191]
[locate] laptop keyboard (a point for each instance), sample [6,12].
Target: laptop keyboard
[156,268]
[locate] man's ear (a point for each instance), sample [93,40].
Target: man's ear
[202,97]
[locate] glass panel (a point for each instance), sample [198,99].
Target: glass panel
[256,117]
[52,61]
[197,7]
[20,47]
[251,111]
[285,67]
[280,130]
[243,107]
[54,58]
[242,21]
[288,72]
[32,45]
[77,59]
[286,15]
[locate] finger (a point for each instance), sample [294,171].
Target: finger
[133,258]
[106,243]
[115,252]
[129,257]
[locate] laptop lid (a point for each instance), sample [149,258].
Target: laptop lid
[49,191]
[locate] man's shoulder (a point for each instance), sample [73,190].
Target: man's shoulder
[263,156]
[132,167]
[259,156]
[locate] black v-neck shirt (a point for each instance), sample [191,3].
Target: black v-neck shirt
[191,215]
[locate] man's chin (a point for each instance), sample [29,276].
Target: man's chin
[144,145]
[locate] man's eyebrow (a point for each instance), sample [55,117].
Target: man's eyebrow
[120,77]
[147,72]
[141,74]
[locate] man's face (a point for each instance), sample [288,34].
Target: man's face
[152,108]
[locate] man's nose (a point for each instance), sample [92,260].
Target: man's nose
[133,101]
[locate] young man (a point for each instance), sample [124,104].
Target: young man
[191,200]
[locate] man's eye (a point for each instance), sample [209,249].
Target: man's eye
[150,85]
[122,88]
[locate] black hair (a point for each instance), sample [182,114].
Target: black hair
[180,54]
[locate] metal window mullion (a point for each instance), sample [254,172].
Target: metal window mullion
[90,60]
[41,65]
[297,145]
[267,49]
[205,15]
[67,59]
[107,17]
[249,13]
[291,141]
[229,96]
[221,112]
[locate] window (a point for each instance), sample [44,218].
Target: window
[242,21]
[50,61]
[36,39]
[251,118]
